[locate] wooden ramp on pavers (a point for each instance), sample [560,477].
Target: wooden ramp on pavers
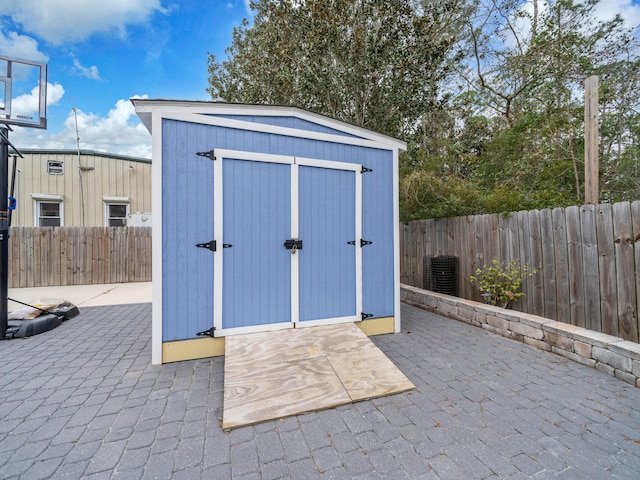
[272,375]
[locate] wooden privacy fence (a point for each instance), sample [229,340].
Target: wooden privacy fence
[51,256]
[588,260]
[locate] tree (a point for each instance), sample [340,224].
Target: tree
[620,131]
[375,64]
[488,93]
[526,65]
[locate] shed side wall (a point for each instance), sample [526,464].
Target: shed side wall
[187,196]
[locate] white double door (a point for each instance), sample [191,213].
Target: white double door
[261,281]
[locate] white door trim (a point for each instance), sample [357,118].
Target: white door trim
[295,257]
[218,284]
[357,169]
[218,230]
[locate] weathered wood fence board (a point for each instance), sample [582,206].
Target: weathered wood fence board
[48,256]
[536,262]
[561,263]
[575,267]
[625,271]
[548,265]
[635,220]
[593,315]
[588,260]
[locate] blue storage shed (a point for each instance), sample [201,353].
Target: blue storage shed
[267,217]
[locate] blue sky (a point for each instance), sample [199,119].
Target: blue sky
[100,56]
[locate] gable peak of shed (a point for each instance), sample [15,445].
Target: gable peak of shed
[272,115]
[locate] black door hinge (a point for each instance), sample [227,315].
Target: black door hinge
[210,245]
[366,315]
[210,154]
[362,242]
[366,170]
[206,333]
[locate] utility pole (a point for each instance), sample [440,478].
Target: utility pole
[591,169]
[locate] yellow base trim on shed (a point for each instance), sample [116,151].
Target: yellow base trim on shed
[377,326]
[192,349]
[214,347]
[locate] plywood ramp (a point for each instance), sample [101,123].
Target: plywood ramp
[276,374]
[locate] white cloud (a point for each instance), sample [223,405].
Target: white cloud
[119,132]
[89,72]
[28,104]
[59,21]
[20,46]
[54,93]
[607,9]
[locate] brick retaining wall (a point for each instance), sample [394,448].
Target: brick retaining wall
[605,353]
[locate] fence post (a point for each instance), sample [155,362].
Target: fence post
[591,185]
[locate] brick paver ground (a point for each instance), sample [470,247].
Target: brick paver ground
[83,401]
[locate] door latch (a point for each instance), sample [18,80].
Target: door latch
[293,244]
[211,245]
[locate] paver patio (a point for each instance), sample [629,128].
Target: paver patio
[84,401]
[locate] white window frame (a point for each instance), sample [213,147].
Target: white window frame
[109,201]
[40,198]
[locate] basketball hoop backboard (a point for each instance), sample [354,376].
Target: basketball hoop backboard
[23,92]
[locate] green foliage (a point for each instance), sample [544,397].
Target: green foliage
[488,95]
[533,164]
[501,284]
[502,199]
[374,64]
[426,195]
[517,137]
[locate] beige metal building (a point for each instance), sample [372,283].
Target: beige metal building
[85,188]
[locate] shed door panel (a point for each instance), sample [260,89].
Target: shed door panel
[327,262]
[256,283]
[263,200]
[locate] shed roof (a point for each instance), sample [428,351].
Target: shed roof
[146,107]
[84,152]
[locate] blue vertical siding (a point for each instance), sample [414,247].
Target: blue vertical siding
[289,122]
[257,221]
[327,261]
[187,190]
[378,226]
[187,219]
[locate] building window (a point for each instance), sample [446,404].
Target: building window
[55,167]
[116,210]
[49,210]
[117,214]
[49,214]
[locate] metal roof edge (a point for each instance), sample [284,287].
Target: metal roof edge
[67,151]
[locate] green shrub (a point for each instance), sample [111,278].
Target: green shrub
[501,284]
